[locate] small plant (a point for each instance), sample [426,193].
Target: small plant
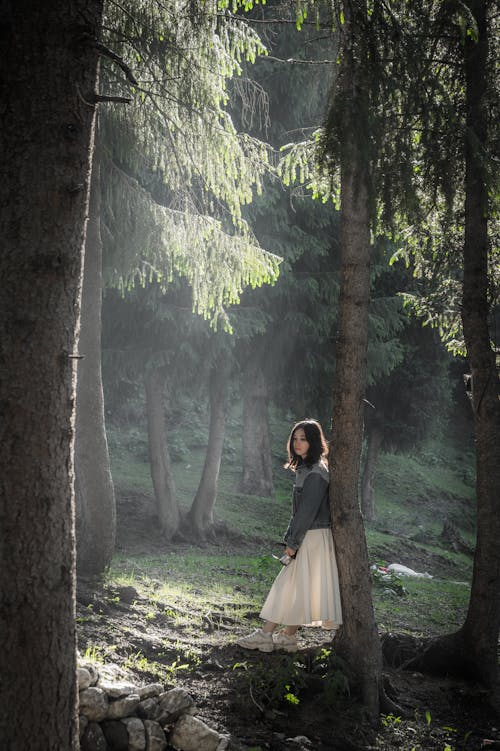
[93,654]
[388,580]
[390,720]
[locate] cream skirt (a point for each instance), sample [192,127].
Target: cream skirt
[306,592]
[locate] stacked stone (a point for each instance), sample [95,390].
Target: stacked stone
[124,717]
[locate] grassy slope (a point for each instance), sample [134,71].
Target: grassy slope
[414,496]
[189,603]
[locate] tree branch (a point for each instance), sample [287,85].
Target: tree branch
[106,52]
[96,98]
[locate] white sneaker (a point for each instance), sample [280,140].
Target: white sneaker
[285,641]
[258,639]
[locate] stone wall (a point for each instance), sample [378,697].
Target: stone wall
[118,716]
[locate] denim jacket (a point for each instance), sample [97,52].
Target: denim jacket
[310,503]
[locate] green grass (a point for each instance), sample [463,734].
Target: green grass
[414,494]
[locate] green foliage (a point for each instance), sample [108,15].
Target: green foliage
[284,679]
[411,128]
[161,243]
[177,171]
[388,581]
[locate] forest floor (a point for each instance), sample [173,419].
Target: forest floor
[173,615]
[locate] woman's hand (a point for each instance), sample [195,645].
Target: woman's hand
[290,551]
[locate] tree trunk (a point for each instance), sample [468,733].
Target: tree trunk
[200,514]
[358,639]
[481,627]
[257,478]
[95,496]
[375,438]
[472,650]
[159,457]
[47,70]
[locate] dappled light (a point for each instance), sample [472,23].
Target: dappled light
[249,388]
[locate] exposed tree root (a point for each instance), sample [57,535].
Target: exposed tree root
[447,655]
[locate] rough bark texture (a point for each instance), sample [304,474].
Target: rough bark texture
[201,517]
[375,438]
[257,477]
[47,68]
[472,651]
[159,457]
[358,640]
[481,627]
[95,496]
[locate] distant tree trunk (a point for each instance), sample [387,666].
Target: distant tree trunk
[200,514]
[159,457]
[48,69]
[358,641]
[473,649]
[375,438]
[95,496]
[257,478]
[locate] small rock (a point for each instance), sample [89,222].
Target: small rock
[136,733]
[173,703]
[93,738]
[123,707]
[94,673]
[149,709]
[300,740]
[117,690]
[116,735]
[93,703]
[155,737]
[83,678]
[191,734]
[152,689]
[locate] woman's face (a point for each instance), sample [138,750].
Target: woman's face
[300,443]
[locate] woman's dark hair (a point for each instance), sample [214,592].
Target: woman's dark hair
[318,447]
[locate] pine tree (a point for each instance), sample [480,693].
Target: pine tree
[48,73]
[174,175]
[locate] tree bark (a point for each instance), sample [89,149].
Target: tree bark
[375,438]
[159,456]
[95,496]
[48,66]
[482,624]
[257,477]
[358,640]
[201,516]
[472,651]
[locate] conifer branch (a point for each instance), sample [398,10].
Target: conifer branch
[295,60]
[118,60]
[96,98]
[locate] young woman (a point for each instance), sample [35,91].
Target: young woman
[306,591]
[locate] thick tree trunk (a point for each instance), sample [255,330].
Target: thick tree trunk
[200,514]
[358,640]
[375,438]
[472,651]
[159,457]
[48,68]
[481,627]
[257,477]
[95,496]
